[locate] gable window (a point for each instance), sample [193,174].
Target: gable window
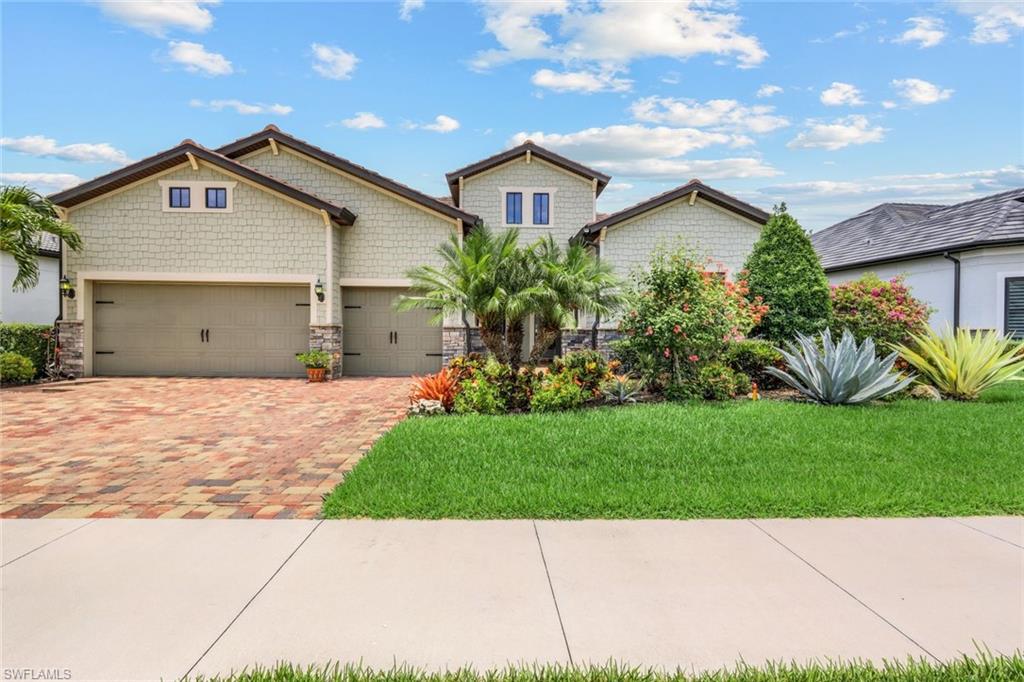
[180,197]
[514,208]
[541,200]
[216,197]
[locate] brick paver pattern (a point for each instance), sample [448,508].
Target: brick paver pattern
[193,448]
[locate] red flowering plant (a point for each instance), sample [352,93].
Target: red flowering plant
[885,311]
[684,312]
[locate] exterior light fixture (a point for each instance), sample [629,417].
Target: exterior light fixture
[66,290]
[318,289]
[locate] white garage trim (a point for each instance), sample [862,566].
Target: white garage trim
[374,282]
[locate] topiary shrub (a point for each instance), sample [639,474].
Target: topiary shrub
[26,339]
[873,308]
[15,368]
[751,357]
[784,270]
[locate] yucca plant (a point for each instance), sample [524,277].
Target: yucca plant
[841,373]
[961,363]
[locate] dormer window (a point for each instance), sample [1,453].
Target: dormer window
[527,206]
[514,208]
[541,202]
[213,196]
[180,197]
[216,197]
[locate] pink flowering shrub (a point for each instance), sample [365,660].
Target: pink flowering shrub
[684,316]
[883,310]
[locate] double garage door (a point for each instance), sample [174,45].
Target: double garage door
[235,330]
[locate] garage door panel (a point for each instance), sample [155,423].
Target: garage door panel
[371,325]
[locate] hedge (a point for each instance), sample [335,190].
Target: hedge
[26,339]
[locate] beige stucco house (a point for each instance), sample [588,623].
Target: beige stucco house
[230,261]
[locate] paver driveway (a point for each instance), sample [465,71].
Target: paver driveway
[194,448]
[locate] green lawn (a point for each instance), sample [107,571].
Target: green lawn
[984,668]
[678,461]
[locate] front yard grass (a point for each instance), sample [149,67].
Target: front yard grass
[679,461]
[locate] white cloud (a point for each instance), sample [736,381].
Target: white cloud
[333,62]
[241,107]
[619,186]
[441,124]
[839,94]
[639,151]
[844,33]
[925,31]
[364,120]
[156,17]
[889,104]
[994,22]
[722,114]
[408,7]
[42,182]
[585,82]
[917,91]
[768,90]
[197,59]
[83,152]
[614,33]
[842,132]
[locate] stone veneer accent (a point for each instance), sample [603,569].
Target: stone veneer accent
[72,347]
[328,338]
[583,339]
[453,343]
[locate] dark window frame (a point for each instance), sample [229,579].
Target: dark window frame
[224,190]
[546,209]
[1017,333]
[515,215]
[185,192]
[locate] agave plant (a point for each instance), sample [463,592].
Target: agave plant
[620,389]
[961,363]
[839,373]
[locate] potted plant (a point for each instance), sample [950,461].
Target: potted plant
[316,363]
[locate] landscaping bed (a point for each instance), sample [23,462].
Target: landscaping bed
[735,459]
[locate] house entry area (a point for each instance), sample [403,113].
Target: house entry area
[380,341]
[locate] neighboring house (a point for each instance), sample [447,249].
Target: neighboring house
[228,262]
[41,303]
[966,261]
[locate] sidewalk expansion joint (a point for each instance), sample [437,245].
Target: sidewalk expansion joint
[48,542]
[851,595]
[554,598]
[994,537]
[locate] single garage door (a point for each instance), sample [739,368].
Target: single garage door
[380,341]
[199,330]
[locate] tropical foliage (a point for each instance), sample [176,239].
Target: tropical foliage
[25,216]
[314,359]
[962,363]
[752,357]
[883,310]
[784,270]
[442,387]
[839,374]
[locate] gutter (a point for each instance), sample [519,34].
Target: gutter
[914,255]
[956,288]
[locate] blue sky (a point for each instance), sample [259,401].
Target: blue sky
[833,107]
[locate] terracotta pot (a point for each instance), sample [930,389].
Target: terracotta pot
[316,374]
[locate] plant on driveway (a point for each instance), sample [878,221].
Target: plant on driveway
[843,373]
[962,363]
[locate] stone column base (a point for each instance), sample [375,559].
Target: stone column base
[328,338]
[453,343]
[72,347]
[583,339]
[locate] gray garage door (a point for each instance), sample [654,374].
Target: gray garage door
[199,330]
[379,341]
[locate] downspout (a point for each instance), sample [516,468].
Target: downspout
[597,316]
[956,288]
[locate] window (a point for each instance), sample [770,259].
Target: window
[216,197]
[540,208]
[1014,301]
[514,208]
[181,197]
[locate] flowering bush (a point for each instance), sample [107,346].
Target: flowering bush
[558,391]
[882,310]
[685,316]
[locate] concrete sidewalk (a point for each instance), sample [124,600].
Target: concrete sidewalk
[148,599]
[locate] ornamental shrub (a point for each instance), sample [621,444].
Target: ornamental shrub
[784,270]
[683,316]
[882,310]
[717,381]
[589,367]
[479,396]
[15,368]
[558,391]
[26,339]
[751,357]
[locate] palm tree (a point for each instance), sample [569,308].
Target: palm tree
[25,215]
[574,281]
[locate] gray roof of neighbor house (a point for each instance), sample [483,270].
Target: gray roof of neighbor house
[49,244]
[703,191]
[892,232]
[177,155]
[514,153]
[251,143]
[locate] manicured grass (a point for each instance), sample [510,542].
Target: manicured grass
[736,460]
[982,669]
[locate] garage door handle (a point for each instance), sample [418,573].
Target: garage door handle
[396,337]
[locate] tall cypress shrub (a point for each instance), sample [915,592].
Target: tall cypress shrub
[785,271]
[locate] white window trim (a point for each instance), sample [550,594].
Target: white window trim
[528,193]
[197,195]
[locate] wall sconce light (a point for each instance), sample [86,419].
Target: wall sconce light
[66,290]
[318,289]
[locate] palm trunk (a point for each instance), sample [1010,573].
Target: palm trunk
[546,335]
[514,334]
[493,339]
